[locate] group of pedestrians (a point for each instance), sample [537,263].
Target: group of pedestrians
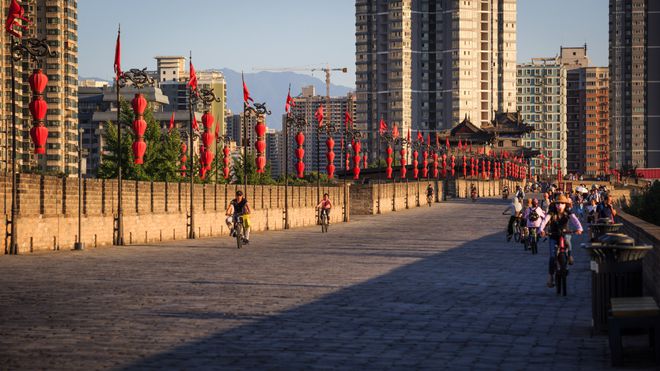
[557,216]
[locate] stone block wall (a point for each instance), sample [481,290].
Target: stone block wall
[371,199]
[47,210]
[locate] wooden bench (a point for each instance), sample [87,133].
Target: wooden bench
[633,313]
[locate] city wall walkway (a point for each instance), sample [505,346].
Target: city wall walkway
[425,288]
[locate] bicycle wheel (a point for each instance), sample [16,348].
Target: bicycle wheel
[561,274]
[516,235]
[239,235]
[535,245]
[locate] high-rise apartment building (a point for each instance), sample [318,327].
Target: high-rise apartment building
[542,102]
[171,68]
[634,83]
[426,64]
[334,109]
[56,21]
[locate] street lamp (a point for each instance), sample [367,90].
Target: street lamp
[196,97]
[299,123]
[139,79]
[35,49]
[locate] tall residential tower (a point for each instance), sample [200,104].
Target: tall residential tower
[426,64]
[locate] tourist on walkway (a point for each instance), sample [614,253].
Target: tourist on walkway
[557,222]
[514,209]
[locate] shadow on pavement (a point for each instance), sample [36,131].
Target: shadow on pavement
[480,305]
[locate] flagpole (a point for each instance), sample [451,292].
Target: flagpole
[191,234]
[286,173]
[120,212]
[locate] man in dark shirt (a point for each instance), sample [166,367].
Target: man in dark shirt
[606,210]
[237,208]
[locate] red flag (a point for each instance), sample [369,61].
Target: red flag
[348,119]
[289,101]
[395,131]
[318,115]
[194,123]
[447,144]
[246,92]
[117,65]
[14,13]
[420,136]
[171,122]
[193,78]
[382,126]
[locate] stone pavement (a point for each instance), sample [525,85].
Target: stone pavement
[425,288]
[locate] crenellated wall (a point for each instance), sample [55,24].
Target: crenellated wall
[47,210]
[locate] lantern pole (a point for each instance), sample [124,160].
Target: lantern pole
[138,78]
[258,110]
[298,123]
[34,48]
[79,245]
[205,97]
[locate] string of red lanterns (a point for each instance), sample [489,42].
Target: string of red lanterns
[38,108]
[139,104]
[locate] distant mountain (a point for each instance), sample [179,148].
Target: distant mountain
[271,87]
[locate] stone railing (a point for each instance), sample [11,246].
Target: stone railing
[645,233]
[47,209]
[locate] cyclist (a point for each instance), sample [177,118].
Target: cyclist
[534,216]
[557,221]
[325,206]
[515,208]
[237,208]
[519,193]
[429,194]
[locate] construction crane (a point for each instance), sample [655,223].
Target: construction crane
[327,69]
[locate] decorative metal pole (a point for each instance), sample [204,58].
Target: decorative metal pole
[139,79]
[34,48]
[299,123]
[196,97]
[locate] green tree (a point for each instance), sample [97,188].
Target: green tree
[645,205]
[161,159]
[238,170]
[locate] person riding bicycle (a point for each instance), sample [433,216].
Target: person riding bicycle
[534,216]
[429,191]
[516,208]
[557,221]
[505,192]
[519,193]
[473,191]
[325,206]
[238,207]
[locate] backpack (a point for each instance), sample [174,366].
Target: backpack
[533,215]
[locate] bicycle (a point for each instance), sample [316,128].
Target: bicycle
[562,262]
[517,230]
[429,199]
[239,231]
[533,241]
[523,234]
[323,220]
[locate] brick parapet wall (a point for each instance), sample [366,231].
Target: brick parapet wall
[645,233]
[47,209]
[370,199]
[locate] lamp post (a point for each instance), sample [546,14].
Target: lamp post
[258,110]
[35,49]
[195,97]
[299,123]
[139,79]
[79,245]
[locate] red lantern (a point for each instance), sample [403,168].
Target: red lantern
[139,104]
[38,81]
[364,161]
[225,160]
[415,164]
[404,162]
[260,143]
[300,153]
[330,156]
[425,164]
[208,159]
[348,161]
[453,165]
[444,165]
[388,161]
[356,159]
[435,165]
[38,108]
[488,168]
[464,167]
[207,120]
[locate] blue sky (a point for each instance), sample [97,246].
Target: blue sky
[291,33]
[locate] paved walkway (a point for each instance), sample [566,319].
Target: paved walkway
[425,288]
